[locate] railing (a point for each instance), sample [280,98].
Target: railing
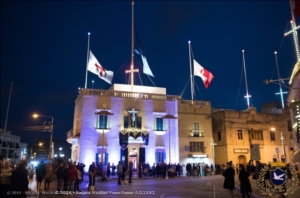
[70,134]
[124,94]
[198,150]
[197,102]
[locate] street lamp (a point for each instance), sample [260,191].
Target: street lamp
[103,113]
[51,131]
[39,144]
[93,84]
[169,116]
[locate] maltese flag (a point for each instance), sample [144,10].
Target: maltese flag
[95,67]
[203,73]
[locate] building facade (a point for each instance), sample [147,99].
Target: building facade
[238,133]
[146,125]
[10,147]
[293,102]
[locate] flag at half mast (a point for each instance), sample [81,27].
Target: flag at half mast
[203,73]
[139,50]
[96,68]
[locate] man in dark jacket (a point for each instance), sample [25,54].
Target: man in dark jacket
[40,173]
[130,171]
[245,183]
[229,178]
[19,180]
[59,176]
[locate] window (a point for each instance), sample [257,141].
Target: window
[272,135]
[240,134]
[126,118]
[160,157]
[197,147]
[257,135]
[102,123]
[196,130]
[159,124]
[290,128]
[219,136]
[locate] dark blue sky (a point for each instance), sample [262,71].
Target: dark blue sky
[43,51]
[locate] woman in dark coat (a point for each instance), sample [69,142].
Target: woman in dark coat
[229,178]
[19,180]
[245,183]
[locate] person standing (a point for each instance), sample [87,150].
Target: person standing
[82,170]
[113,168]
[92,175]
[59,176]
[72,175]
[48,176]
[40,173]
[66,168]
[178,170]
[108,170]
[130,171]
[119,171]
[245,183]
[5,179]
[229,178]
[19,180]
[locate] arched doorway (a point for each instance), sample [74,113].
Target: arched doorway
[242,159]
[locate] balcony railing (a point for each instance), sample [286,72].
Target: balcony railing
[124,94]
[197,133]
[198,149]
[72,133]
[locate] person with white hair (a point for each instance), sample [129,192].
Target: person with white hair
[5,179]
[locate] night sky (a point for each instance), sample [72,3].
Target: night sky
[44,47]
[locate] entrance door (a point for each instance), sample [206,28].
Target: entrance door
[242,159]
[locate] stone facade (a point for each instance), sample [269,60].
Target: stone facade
[11,148]
[235,132]
[88,139]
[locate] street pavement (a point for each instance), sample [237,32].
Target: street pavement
[179,187]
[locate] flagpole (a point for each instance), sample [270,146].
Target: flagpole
[132,45]
[191,71]
[247,95]
[11,84]
[87,61]
[279,78]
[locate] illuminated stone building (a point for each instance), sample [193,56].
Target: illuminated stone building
[137,130]
[235,133]
[293,101]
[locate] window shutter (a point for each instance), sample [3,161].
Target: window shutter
[106,159]
[139,122]
[126,122]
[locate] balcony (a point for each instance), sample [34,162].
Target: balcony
[71,136]
[197,133]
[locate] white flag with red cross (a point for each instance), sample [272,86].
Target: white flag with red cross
[203,73]
[95,67]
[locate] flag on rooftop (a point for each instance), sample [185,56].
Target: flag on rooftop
[203,73]
[96,68]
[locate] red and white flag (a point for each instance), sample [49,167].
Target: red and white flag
[95,67]
[203,73]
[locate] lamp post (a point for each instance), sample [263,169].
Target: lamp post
[51,131]
[103,113]
[169,117]
[39,144]
[282,143]
[93,84]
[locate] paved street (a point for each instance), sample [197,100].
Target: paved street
[183,187]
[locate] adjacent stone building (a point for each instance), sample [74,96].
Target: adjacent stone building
[11,148]
[237,133]
[137,130]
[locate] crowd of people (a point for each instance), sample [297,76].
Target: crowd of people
[14,178]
